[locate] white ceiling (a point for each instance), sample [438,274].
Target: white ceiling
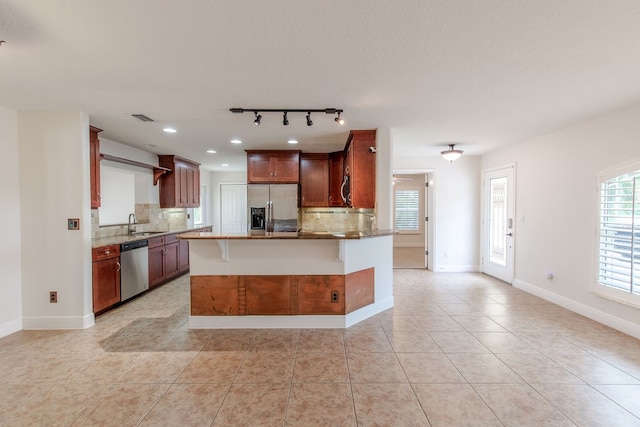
[480,73]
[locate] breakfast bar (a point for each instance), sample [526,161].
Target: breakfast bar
[289,279]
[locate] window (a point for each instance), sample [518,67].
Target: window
[407,208]
[199,213]
[618,265]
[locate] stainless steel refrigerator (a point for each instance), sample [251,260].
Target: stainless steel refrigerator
[273,207]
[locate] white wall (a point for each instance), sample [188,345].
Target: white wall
[384,175]
[54,186]
[218,178]
[555,196]
[10,246]
[456,209]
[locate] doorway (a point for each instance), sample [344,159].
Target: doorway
[233,208]
[410,204]
[498,222]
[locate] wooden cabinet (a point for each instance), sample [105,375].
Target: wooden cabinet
[314,180]
[94,166]
[183,256]
[275,166]
[105,277]
[164,259]
[336,177]
[360,166]
[179,188]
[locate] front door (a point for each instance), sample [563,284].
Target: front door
[498,223]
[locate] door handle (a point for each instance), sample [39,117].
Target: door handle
[118,266]
[509,234]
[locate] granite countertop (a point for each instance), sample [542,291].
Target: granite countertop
[261,235]
[142,235]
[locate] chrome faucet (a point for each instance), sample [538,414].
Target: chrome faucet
[132,223]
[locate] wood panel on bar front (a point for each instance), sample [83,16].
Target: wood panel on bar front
[282,295]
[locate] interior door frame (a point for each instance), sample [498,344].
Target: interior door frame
[244,221]
[508,275]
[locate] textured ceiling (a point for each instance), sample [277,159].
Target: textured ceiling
[480,73]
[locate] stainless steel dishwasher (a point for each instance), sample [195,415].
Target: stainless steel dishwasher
[134,274]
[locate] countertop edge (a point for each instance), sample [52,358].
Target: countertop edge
[194,235]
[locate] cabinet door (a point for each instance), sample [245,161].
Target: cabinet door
[94,166]
[276,166]
[172,260]
[314,180]
[362,164]
[183,185]
[183,262]
[286,167]
[258,168]
[156,266]
[106,283]
[336,174]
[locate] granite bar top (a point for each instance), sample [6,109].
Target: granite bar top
[142,235]
[262,235]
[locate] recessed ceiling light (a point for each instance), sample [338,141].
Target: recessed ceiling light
[236,141]
[225,164]
[292,141]
[169,130]
[211,151]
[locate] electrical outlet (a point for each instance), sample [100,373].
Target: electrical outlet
[73,224]
[53,297]
[335,296]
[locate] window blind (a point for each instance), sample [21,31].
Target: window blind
[407,210]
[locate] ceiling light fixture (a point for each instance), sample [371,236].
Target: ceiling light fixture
[285,113]
[235,141]
[292,141]
[211,151]
[169,130]
[451,154]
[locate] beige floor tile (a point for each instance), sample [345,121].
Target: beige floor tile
[183,341]
[254,405]
[547,343]
[503,342]
[50,367]
[592,370]
[520,405]
[387,405]
[629,363]
[230,340]
[212,367]
[483,369]
[121,405]
[436,323]
[627,396]
[187,405]
[458,309]
[478,323]
[106,367]
[399,323]
[321,405]
[367,341]
[375,368]
[412,341]
[454,405]
[284,340]
[458,342]
[429,368]
[586,406]
[266,367]
[320,367]
[537,368]
[330,340]
[158,367]
[13,397]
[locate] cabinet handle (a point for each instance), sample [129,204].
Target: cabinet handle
[118,265]
[107,252]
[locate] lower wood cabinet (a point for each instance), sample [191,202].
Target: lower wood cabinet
[105,277]
[164,259]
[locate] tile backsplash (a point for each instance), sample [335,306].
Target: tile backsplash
[150,218]
[336,219]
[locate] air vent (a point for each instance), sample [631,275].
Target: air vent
[142,117]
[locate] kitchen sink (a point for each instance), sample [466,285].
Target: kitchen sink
[147,233]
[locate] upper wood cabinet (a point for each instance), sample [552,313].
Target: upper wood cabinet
[179,188]
[314,179]
[336,179]
[360,166]
[275,166]
[94,166]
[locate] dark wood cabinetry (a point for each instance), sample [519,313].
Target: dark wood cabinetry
[360,167]
[164,259]
[105,277]
[336,178]
[275,166]
[94,166]
[314,179]
[179,188]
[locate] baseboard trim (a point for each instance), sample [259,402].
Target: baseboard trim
[50,322]
[614,322]
[10,327]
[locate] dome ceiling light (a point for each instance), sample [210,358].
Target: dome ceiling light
[451,154]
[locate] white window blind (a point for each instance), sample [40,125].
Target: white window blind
[407,210]
[619,233]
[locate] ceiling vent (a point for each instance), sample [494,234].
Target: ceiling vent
[142,117]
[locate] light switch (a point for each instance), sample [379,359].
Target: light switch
[73,223]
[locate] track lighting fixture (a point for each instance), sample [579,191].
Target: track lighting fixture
[285,118]
[451,154]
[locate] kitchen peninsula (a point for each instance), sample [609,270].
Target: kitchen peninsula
[289,280]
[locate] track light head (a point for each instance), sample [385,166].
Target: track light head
[339,120]
[309,122]
[285,120]
[258,118]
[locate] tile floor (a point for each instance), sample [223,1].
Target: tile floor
[457,349]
